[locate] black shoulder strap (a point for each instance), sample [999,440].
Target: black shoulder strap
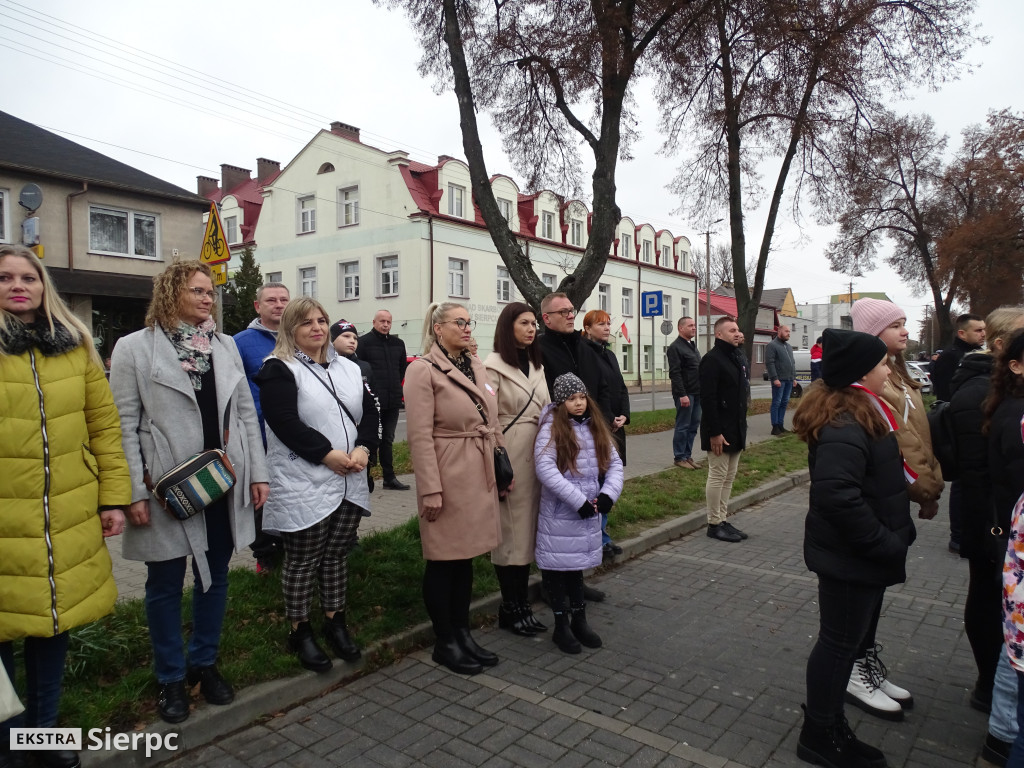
[507,428]
[333,393]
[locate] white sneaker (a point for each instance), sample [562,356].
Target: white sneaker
[893,691]
[863,691]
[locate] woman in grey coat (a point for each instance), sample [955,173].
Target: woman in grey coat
[180,389]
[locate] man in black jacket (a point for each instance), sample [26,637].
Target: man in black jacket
[565,352]
[386,355]
[723,427]
[683,364]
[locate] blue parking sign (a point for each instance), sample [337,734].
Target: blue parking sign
[651,304]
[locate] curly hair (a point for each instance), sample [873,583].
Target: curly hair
[1004,382]
[169,292]
[822,405]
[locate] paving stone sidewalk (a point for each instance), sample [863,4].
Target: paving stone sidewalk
[705,645]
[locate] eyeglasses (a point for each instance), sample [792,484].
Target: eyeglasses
[200,293]
[563,312]
[463,324]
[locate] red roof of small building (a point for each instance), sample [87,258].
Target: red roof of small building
[726,305]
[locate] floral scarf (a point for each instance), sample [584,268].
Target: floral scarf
[194,345]
[463,362]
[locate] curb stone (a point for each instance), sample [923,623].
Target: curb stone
[208,723]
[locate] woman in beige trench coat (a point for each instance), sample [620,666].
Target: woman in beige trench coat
[516,374]
[452,429]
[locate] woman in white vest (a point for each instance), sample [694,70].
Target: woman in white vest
[321,428]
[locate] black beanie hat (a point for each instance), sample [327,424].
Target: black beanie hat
[846,356]
[340,327]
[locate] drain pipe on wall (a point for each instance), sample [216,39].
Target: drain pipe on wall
[430,231]
[71,242]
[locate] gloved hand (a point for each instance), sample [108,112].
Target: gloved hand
[604,503]
[587,510]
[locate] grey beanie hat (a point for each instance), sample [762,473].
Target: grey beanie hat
[567,385]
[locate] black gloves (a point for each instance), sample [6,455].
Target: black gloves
[604,504]
[587,510]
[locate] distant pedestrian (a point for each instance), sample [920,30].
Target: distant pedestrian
[857,532]
[683,371]
[816,360]
[724,393]
[781,365]
[386,354]
[581,478]
[970,336]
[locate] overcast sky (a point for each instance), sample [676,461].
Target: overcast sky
[178,88]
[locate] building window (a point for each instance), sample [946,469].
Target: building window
[5,236]
[627,302]
[348,206]
[307,214]
[759,353]
[231,229]
[505,206]
[804,341]
[685,308]
[666,306]
[550,281]
[666,256]
[326,168]
[577,232]
[456,200]
[274,277]
[348,275]
[387,271]
[627,358]
[604,297]
[684,261]
[504,285]
[627,248]
[307,281]
[547,225]
[648,351]
[123,233]
[457,277]
[647,251]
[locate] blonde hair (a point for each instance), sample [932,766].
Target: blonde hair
[52,306]
[436,313]
[169,293]
[295,312]
[1001,323]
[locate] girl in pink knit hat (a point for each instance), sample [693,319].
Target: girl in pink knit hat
[869,687]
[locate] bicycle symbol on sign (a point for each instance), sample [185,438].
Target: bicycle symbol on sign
[215,242]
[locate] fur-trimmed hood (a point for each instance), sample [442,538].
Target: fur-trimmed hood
[19,337]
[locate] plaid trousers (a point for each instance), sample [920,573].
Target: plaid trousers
[320,551]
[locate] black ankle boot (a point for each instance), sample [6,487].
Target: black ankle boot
[302,643]
[510,617]
[172,702]
[59,758]
[563,636]
[832,747]
[449,653]
[337,637]
[581,630]
[470,646]
[212,685]
[529,619]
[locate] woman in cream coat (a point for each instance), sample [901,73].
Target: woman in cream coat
[453,428]
[516,375]
[174,382]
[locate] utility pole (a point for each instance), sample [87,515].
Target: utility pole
[707,282]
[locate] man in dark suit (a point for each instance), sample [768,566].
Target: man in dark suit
[723,428]
[386,355]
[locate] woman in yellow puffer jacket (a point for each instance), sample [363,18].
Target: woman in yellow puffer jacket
[63,480]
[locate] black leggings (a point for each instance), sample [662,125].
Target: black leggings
[983,618]
[564,587]
[447,590]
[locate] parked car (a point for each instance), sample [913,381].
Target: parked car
[921,375]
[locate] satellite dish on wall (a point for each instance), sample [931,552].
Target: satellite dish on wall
[31,197]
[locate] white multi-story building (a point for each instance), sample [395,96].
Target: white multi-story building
[363,229]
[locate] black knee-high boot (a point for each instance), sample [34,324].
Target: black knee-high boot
[578,608]
[523,599]
[554,583]
[510,614]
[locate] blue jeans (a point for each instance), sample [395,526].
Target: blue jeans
[1016,759]
[164,588]
[847,614]
[44,673]
[780,400]
[1002,723]
[687,424]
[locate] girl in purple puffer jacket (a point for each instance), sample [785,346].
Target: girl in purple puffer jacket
[580,475]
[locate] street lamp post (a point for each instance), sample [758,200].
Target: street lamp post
[707,280]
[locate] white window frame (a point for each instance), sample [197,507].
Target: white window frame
[626,249]
[504,290]
[5,216]
[648,353]
[627,358]
[604,297]
[305,216]
[664,359]
[348,206]
[307,281]
[666,256]
[577,232]
[648,249]
[129,216]
[627,302]
[231,229]
[456,201]
[387,276]
[348,281]
[547,226]
[505,206]
[274,277]
[685,307]
[759,353]
[666,306]
[551,281]
[458,268]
